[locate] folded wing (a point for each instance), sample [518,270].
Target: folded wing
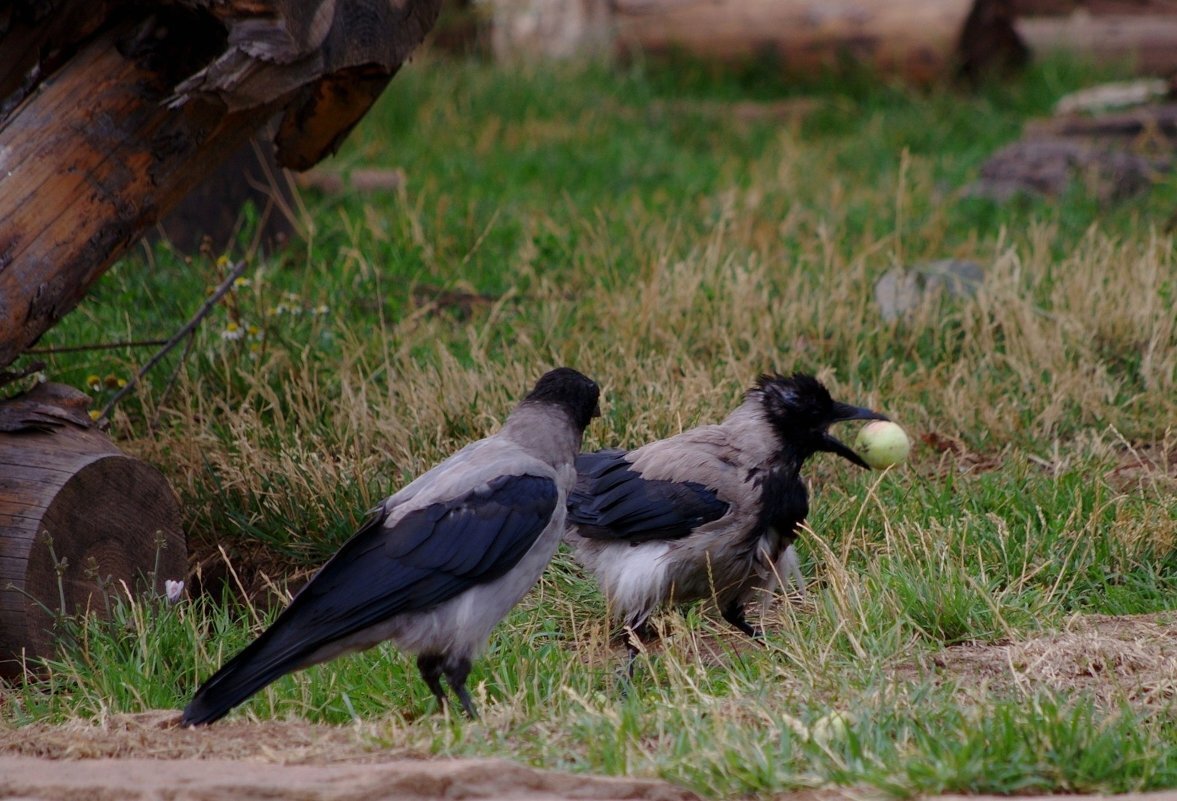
[611,500]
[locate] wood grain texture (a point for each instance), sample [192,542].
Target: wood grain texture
[79,519]
[117,109]
[86,164]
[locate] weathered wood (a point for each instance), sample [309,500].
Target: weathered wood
[95,520]
[917,39]
[989,44]
[214,210]
[1047,8]
[87,163]
[1147,41]
[104,129]
[35,36]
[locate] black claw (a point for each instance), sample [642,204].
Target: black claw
[456,676]
[734,614]
[430,666]
[637,633]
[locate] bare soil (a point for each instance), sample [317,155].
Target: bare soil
[1114,659]
[147,756]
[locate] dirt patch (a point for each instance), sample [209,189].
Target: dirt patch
[148,756]
[220,779]
[1113,659]
[157,735]
[1146,466]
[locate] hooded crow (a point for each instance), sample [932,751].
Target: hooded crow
[709,513]
[439,563]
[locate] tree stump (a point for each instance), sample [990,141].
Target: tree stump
[79,519]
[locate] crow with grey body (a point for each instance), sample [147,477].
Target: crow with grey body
[710,513]
[439,563]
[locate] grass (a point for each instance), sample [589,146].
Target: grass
[616,222]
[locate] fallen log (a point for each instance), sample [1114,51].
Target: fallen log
[913,38]
[80,522]
[1048,8]
[919,40]
[142,105]
[86,165]
[1148,42]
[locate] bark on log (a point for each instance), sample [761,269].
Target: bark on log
[104,129]
[86,164]
[109,518]
[913,38]
[1047,8]
[214,210]
[1147,41]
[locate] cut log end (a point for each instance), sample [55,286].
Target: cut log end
[80,524]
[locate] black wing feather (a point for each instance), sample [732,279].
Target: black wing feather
[611,500]
[430,555]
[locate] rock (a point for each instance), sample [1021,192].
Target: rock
[904,289]
[1047,166]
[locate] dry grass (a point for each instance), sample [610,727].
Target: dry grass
[1130,659]
[1041,487]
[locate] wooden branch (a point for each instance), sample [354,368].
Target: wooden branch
[186,331]
[1147,121]
[130,343]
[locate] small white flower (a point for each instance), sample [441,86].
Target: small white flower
[173,590]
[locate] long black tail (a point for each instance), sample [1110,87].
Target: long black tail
[264,660]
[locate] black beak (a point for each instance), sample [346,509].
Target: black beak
[844,411]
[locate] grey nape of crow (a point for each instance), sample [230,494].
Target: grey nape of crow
[710,513]
[439,563]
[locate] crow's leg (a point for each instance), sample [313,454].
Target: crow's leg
[456,673]
[430,667]
[637,633]
[734,613]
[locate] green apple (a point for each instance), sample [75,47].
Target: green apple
[882,443]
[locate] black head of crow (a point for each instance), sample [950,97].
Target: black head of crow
[800,410]
[574,392]
[710,513]
[439,563]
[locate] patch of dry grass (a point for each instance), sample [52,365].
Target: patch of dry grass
[673,260]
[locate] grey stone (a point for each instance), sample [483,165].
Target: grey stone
[1045,167]
[903,289]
